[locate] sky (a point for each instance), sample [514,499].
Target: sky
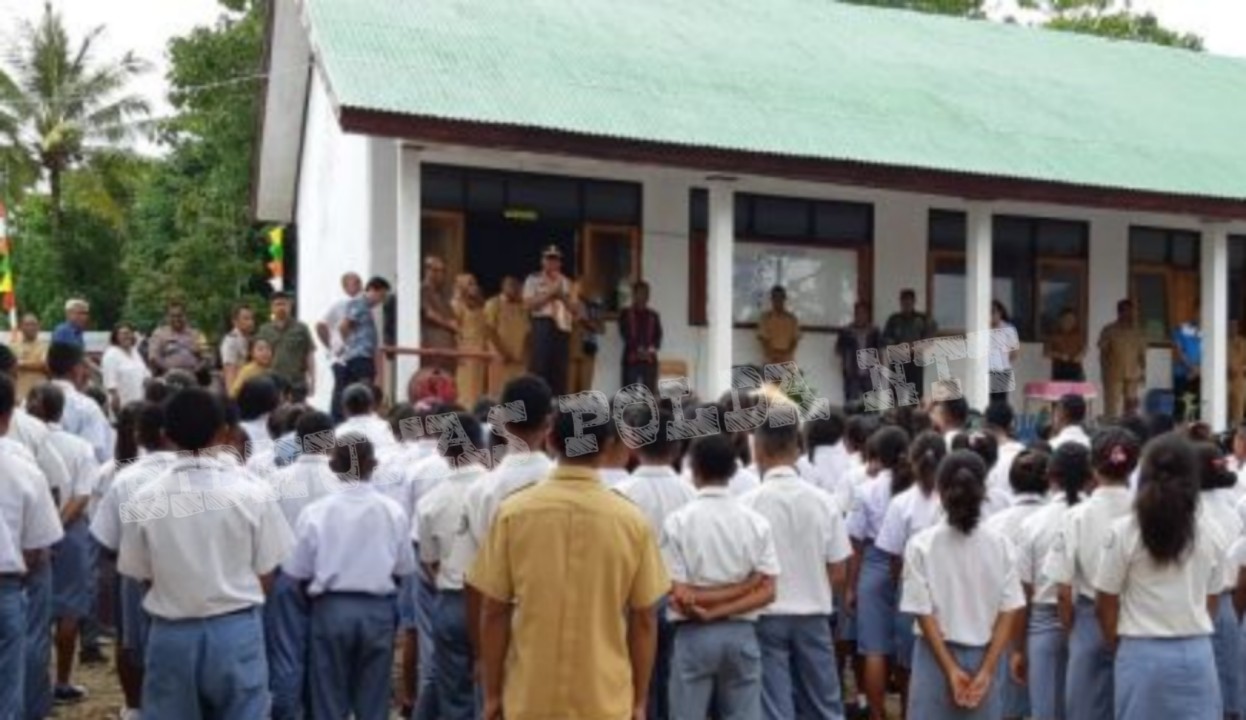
[145,26]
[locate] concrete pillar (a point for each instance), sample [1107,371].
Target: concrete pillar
[978,249]
[1214,301]
[720,274]
[407,274]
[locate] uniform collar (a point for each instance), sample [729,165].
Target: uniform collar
[1029,499]
[1111,490]
[654,471]
[573,473]
[714,491]
[312,459]
[781,472]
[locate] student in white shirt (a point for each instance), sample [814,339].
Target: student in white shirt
[998,421]
[1067,421]
[258,398]
[1072,564]
[984,446]
[73,567]
[359,406]
[287,615]
[1217,511]
[812,541]
[745,478]
[875,586]
[446,557]
[31,525]
[1159,579]
[960,580]
[722,560]
[829,464]
[1041,657]
[82,416]
[351,547]
[1029,485]
[857,431]
[205,566]
[951,418]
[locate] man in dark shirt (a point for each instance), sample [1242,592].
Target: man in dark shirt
[862,334]
[908,326]
[641,328]
[294,351]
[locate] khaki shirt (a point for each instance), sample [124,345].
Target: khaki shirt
[437,302]
[1122,352]
[1237,357]
[573,557]
[292,346]
[779,332]
[169,349]
[29,353]
[1066,347]
[510,321]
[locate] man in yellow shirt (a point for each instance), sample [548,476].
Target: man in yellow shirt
[570,576]
[31,352]
[778,330]
[507,326]
[1122,360]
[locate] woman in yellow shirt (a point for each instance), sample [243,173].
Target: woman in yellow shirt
[469,311]
[261,362]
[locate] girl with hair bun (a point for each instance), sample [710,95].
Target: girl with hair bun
[1072,565]
[961,583]
[870,573]
[1217,511]
[1159,579]
[1041,658]
[985,446]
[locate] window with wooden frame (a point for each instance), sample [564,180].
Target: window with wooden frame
[1163,279]
[1038,269]
[610,262]
[819,251]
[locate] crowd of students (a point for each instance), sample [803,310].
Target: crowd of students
[524,563]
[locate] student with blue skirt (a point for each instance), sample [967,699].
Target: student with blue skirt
[1072,565]
[1159,580]
[1218,511]
[886,455]
[961,583]
[1042,654]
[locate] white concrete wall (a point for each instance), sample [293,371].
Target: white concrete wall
[335,168]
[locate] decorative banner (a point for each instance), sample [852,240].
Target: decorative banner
[276,255]
[7,297]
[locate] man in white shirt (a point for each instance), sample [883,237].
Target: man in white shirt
[950,418]
[83,416]
[287,613]
[207,537]
[446,556]
[359,406]
[31,524]
[331,338]
[998,421]
[73,566]
[1067,421]
[798,651]
[352,546]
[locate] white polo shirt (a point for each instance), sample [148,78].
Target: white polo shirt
[109,520]
[85,418]
[204,554]
[1073,434]
[742,481]
[79,458]
[355,540]
[658,491]
[809,534]
[516,472]
[964,581]
[1161,601]
[872,498]
[907,514]
[409,472]
[831,470]
[1074,558]
[1038,536]
[997,482]
[1011,522]
[302,483]
[715,540]
[33,433]
[372,427]
[11,560]
[26,508]
[442,531]
[1217,507]
[614,477]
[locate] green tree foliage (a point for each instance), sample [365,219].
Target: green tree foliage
[960,8]
[192,234]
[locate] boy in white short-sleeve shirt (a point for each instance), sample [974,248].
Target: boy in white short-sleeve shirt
[655,488]
[722,560]
[798,651]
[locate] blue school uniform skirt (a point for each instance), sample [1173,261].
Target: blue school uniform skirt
[876,605]
[135,622]
[1088,682]
[929,697]
[1228,650]
[845,620]
[72,572]
[1047,657]
[1167,678]
[1014,697]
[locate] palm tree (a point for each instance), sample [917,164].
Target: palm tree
[59,106]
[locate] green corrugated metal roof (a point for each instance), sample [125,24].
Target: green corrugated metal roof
[806,78]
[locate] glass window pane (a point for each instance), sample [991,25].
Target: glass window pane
[1185,249]
[612,203]
[1014,233]
[608,264]
[947,296]
[781,217]
[1151,305]
[1059,289]
[1148,245]
[1062,238]
[843,222]
[486,192]
[698,209]
[947,230]
[441,188]
[821,282]
[551,198]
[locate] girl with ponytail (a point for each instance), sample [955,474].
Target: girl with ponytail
[961,583]
[1219,513]
[1159,579]
[877,635]
[1072,564]
[1042,658]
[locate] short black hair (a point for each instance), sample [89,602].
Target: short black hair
[258,396]
[999,415]
[193,418]
[957,408]
[315,431]
[402,417]
[773,439]
[828,430]
[1073,407]
[8,395]
[713,459]
[663,445]
[534,395]
[565,428]
[908,293]
[377,283]
[1028,474]
[475,435]
[63,358]
[46,402]
[357,399]
[151,424]
[8,361]
[354,456]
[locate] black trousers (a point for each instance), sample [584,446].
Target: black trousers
[1062,371]
[644,373]
[1181,387]
[550,353]
[359,370]
[339,384]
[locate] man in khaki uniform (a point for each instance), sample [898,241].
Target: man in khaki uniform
[778,330]
[32,353]
[507,326]
[1237,374]
[1122,362]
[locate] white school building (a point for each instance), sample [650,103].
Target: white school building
[717,148]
